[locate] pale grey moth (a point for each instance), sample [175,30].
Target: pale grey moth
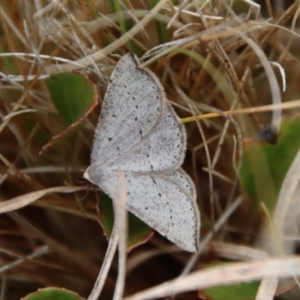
[139,134]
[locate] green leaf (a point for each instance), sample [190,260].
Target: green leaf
[52,294]
[265,166]
[139,232]
[72,94]
[242,291]
[74,97]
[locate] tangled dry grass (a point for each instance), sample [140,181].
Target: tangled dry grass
[211,57]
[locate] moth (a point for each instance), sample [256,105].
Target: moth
[140,135]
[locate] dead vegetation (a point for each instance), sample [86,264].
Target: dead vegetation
[211,57]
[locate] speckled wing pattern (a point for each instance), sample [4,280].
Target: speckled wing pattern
[139,134]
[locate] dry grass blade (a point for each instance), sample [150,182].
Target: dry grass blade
[267,288]
[107,261]
[286,215]
[122,229]
[286,223]
[24,200]
[233,273]
[36,253]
